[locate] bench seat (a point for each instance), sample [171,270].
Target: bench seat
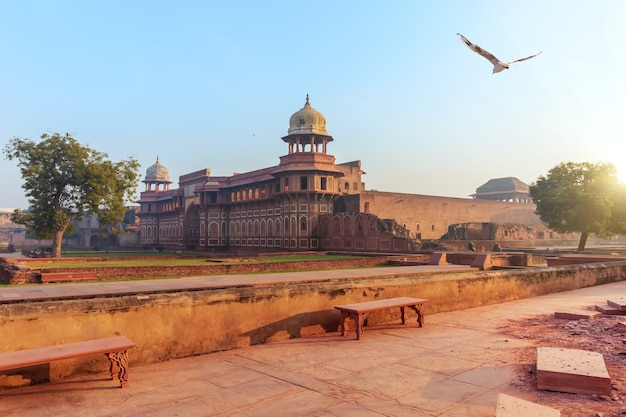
[115,348]
[359,311]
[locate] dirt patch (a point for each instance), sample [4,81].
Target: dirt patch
[598,334]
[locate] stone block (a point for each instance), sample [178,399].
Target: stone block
[438,258]
[572,370]
[509,406]
[621,326]
[609,310]
[576,314]
[482,261]
[618,303]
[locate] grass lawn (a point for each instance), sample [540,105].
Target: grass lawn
[158,261]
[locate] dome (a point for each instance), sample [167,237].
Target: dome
[307,120]
[157,173]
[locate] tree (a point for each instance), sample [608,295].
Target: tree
[581,197]
[65,180]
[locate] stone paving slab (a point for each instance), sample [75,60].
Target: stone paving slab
[74,290]
[617,302]
[576,314]
[509,406]
[455,366]
[609,310]
[572,370]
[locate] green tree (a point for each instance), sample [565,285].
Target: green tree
[65,180]
[581,197]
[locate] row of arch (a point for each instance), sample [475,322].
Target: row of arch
[343,224]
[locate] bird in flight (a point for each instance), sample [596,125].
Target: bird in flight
[497,64]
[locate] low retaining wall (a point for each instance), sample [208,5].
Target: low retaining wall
[22,274]
[178,324]
[581,259]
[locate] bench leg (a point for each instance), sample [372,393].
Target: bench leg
[345,316]
[420,314]
[119,366]
[359,321]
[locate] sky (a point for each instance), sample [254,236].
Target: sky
[212,84]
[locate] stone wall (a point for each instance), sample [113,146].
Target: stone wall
[178,324]
[428,217]
[14,272]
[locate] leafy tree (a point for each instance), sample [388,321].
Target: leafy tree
[581,197]
[65,180]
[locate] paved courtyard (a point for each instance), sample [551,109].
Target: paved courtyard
[455,366]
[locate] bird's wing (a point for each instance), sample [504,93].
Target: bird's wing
[523,59]
[480,51]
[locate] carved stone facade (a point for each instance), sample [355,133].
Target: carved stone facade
[275,207]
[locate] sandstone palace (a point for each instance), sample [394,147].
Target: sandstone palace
[310,202]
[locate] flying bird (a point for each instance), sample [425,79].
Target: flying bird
[497,64]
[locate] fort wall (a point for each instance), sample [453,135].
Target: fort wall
[428,217]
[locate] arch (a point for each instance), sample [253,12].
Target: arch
[293,226]
[193,225]
[347,225]
[336,226]
[325,226]
[213,230]
[304,225]
[314,231]
[278,228]
[360,225]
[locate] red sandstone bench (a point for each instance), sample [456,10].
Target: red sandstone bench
[115,348]
[67,276]
[359,311]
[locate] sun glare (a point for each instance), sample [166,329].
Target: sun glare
[621,171]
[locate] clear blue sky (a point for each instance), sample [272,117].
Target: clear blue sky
[208,84]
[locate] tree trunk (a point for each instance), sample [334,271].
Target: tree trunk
[57,239]
[583,241]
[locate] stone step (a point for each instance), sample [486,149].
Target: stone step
[509,406]
[609,310]
[618,303]
[577,314]
[572,370]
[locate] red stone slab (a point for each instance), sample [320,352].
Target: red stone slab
[572,370]
[576,314]
[438,258]
[618,303]
[610,311]
[509,406]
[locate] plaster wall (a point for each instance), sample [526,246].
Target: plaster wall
[179,324]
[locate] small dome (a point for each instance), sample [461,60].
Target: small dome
[157,173]
[307,120]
